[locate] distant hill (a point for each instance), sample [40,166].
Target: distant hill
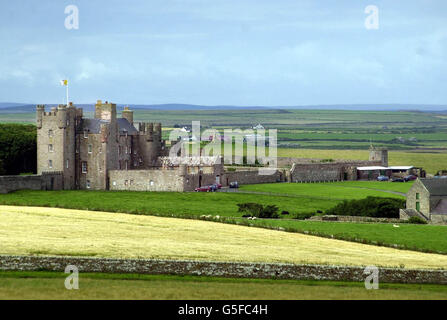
[13,107]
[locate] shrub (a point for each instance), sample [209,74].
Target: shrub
[258,210]
[369,207]
[303,215]
[417,220]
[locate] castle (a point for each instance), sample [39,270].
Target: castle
[111,153]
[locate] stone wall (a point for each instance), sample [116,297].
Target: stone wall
[46,181]
[354,219]
[147,180]
[438,218]
[220,269]
[252,177]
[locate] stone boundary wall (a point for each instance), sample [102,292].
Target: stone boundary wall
[220,269]
[46,181]
[355,219]
[252,177]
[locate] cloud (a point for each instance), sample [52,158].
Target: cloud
[90,69]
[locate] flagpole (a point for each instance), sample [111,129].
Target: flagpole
[67,93]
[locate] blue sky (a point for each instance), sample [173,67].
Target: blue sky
[225,52]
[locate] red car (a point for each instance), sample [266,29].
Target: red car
[204,189]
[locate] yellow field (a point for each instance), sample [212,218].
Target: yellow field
[52,231]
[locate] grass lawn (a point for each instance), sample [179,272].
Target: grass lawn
[333,191]
[50,285]
[164,203]
[426,238]
[53,231]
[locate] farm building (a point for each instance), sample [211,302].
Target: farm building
[427,199]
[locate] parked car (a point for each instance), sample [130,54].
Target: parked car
[214,187]
[204,189]
[382,178]
[410,177]
[398,180]
[234,184]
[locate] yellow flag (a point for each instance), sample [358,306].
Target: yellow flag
[64,82]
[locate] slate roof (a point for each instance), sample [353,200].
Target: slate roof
[94,125]
[436,187]
[441,208]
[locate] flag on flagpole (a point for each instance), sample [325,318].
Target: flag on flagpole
[64,82]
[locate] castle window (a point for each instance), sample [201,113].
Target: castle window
[417,196]
[131,182]
[89,148]
[84,167]
[113,183]
[66,163]
[50,133]
[50,148]
[68,122]
[127,164]
[50,164]
[151,183]
[88,184]
[126,182]
[85,134]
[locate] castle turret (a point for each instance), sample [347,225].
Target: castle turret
[105,111]
[157,131]
[61,116]
[127,114]
[39,115]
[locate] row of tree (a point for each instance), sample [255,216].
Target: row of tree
[18,149]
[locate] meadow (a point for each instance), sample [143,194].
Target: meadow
[345,190]
[196,205]
[49,285]
[68,232]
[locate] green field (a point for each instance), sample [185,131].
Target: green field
[430,161]
[50,285]
[333,191]
[290,197]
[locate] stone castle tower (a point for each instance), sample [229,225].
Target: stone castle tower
[56,134]
[378,154]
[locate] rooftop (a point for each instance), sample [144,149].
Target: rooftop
[436,187]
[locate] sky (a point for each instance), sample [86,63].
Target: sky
[225,52]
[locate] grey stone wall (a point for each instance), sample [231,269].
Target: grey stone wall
[147,180]
[355,219]
[45,181]
[220,269]
[438,218]
[251,177]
